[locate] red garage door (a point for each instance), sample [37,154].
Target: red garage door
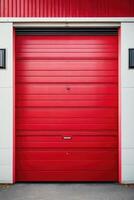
[66,107]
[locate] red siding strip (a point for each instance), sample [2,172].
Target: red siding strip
[66,8]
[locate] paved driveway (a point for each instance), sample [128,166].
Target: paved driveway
[67,191]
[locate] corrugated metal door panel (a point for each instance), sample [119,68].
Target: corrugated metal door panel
[66,108]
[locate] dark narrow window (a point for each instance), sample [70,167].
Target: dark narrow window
[2,58]
[131,58]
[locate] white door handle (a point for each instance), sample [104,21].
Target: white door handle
[67,137]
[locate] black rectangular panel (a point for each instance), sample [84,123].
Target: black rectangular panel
[131,58]
[2,58]
[66,31]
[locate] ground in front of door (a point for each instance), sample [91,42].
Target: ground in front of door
[67,191]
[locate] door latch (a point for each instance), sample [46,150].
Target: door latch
[67,137]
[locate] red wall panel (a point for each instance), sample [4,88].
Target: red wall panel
[66,8]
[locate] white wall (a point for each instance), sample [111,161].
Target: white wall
[127,104]
[6,105]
